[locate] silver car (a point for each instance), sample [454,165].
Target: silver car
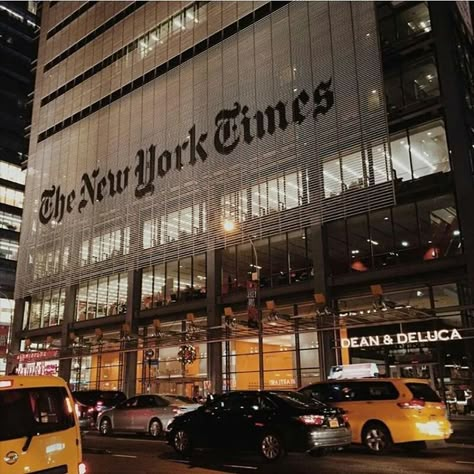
[151,413]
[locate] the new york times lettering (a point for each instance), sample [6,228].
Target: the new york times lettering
[236,126]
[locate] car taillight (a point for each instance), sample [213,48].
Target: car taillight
[414,403]
[316,420]
[345,418]
[90,410]
[82,469]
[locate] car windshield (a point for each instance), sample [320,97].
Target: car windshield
[29,411]
[298,400]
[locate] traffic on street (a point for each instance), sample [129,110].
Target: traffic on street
[130,453]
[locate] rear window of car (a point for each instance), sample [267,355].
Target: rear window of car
[296,399]
[422,391]
[352,391]
[29,411]
[86,398]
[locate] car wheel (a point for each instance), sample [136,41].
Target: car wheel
[105,427]
[377,438]
[271,447]
[155,429]
[182,442]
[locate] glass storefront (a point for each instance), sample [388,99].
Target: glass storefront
[431,340]
[98,363]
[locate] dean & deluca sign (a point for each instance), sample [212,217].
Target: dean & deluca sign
[442,335]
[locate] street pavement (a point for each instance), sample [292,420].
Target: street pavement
[140,455]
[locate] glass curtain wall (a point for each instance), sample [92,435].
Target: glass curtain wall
[181,280]
[101,297]
[283,260]
[416,232]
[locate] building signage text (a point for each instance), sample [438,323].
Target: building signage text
[401,338]
[234,127]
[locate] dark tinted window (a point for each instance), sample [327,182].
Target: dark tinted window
[424,392]
[336,392]
[87,398]
[130,403]
[161,401]
[35,410]
[243,402]
[379,391]
[296,399]
[147,401]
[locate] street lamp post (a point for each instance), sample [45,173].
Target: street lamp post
[229,226]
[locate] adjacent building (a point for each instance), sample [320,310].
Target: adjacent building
[18,29]
[243,194]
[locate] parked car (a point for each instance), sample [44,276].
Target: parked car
[384,412]
[89,403]
[268,422]
[149,413]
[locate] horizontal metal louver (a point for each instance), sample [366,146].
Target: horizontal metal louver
[279,127]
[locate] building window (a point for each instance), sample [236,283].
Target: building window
[399,24]
[12,173]
[181,280]
[47,309]
[11,197]
[106,296]
[8,249]
[235,206]
[175,225]
[416,232]
[282,260]
[7,307]
[275,195]
[105,246]
[10,221]
[413,83]
[420,151]
[353,171]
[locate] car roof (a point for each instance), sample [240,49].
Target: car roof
[26,381]
[373,379]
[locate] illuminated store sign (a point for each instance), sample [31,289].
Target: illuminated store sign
[402,338]
[233,127]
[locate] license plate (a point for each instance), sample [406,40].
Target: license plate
[333,423]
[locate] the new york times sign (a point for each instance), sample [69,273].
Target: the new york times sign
[234,127]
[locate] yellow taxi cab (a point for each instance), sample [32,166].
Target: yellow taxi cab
[39,431]
[387,411]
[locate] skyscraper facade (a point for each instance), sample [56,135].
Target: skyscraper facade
[18,30]
[243,194]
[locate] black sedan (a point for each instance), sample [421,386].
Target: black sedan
[270,422]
